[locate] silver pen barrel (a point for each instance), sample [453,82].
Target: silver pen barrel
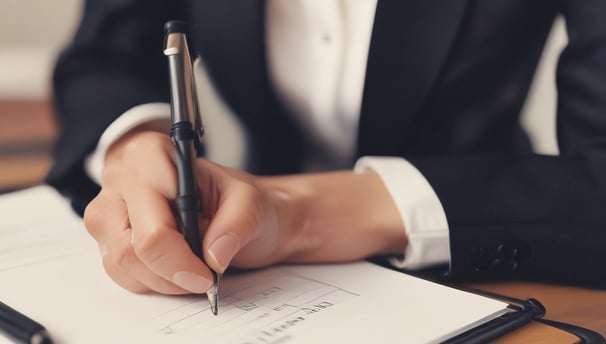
[181,78]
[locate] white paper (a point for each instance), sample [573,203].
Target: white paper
[60,282]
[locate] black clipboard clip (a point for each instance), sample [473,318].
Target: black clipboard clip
[521,313]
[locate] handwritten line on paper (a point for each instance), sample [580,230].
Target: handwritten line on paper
[261,309]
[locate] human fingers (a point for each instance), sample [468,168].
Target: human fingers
[160,246]
[141,170]
[107,221]
[244,222]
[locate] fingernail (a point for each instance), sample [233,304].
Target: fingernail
[224,249]
[191,282]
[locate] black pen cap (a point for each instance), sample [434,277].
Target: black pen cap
[176,26]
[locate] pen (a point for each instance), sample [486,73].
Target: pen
[21,327]
[186,132]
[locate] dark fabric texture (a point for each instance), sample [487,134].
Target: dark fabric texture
[445,83]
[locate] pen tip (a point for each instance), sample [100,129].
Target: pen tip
[213,301]
[213,295]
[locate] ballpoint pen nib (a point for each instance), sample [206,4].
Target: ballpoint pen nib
[213,295]
[213,300]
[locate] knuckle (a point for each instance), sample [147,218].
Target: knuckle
[131,155]
[93,216]
[146,141]
[124,258]
[145,161]
[147,245]
[109,175]
[101,214]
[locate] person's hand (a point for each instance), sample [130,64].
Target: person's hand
[134,225]
[246,221]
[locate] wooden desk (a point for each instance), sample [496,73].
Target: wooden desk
[537,333]
[28,131]
[27,134]
[576,306]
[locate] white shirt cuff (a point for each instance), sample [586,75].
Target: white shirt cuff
[421,211]
[132,118]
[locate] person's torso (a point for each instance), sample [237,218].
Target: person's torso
[443,77]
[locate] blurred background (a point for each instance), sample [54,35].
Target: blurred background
[32,33]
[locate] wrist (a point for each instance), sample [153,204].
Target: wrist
[154,127]
[337,216]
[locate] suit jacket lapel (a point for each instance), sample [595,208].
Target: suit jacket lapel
[231,38]
[410,42]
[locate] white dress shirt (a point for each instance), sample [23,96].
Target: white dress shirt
[317,52]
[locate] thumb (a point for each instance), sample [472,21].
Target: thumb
[242,217]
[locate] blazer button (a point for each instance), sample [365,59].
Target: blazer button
[483,259]
[512,253]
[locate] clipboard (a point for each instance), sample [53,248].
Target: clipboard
[62,248]
[521,312]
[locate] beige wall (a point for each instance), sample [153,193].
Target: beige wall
[31,34]
[41,23]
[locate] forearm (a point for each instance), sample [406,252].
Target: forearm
[337,216]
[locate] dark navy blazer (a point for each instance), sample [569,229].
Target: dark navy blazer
[445,83]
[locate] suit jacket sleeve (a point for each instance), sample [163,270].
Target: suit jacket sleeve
[114,62]
[538,217]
